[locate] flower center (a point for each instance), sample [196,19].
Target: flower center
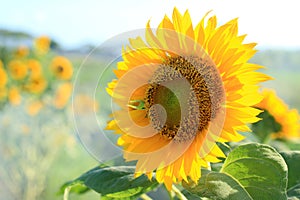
[189,92]
[60,69]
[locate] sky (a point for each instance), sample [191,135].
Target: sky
[72,23]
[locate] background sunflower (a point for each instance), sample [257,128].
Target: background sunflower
[61,68]
[42,44]
[18,70]
[277,119]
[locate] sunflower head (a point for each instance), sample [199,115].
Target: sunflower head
[62,68]
[62,95]
[3,76]
[277,118]
[18,70]
[179,92]
[33,108]
[36,85]
[21,52]
[14,96]
[34,68]
[42,44]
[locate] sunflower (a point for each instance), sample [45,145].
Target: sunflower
[281,121]
[3,75]
[34,67]
[21,52]
[14,96]
[42,44]
[61,68]
[34,107]
[36,85]
[18,70]
[181,91]
[62,96]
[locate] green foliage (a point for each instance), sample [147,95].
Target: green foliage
[264,128]
[251,171]
[294,193]
[260,169]
[75,186]
[292,159]
[216,185]
[112,183]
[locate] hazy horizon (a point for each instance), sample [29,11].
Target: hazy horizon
[271,24]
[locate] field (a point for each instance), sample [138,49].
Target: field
[67,157]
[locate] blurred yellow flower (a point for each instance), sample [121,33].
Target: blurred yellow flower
[277,117]
[84,104]
[33,108]
[3,75]
[61,68]
[18,70]
[62,95]
[14,96]
[36,85]
[42,44]
[34,68]
[21,52]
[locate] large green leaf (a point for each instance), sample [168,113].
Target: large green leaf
[260,169]
[114,182]
[292,159]
[215,185]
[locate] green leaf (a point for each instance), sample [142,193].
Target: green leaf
[260,169]
[189,195]
[265,127]
[294,192]
[216,185]
[115,182]
[292,145]
[292,159]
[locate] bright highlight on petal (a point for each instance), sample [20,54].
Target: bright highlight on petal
[180,91]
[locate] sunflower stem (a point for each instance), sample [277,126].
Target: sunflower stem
[170,193]
[66,193]
[209,166]
[178,193]
[145,197]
